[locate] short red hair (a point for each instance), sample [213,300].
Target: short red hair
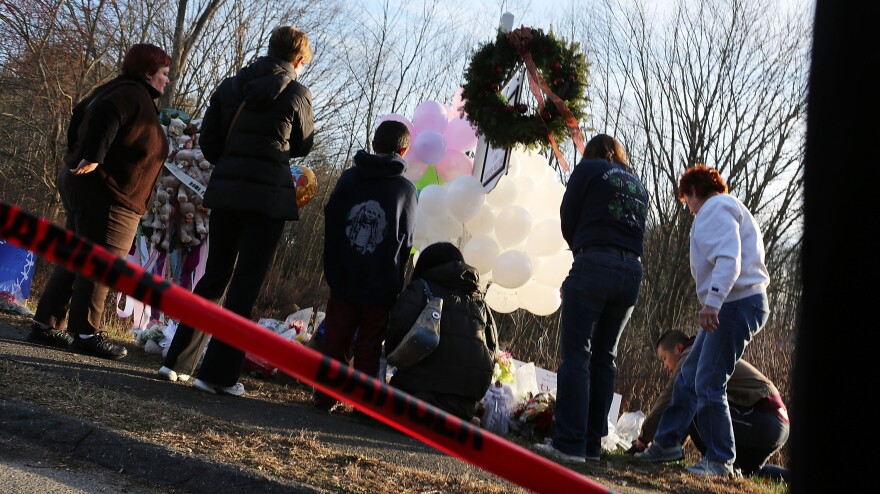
[143,59]
[701,181]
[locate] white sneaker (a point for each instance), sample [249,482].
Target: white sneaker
[236,390]
[172,376]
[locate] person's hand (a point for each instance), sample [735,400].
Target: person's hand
[84,167]
[636,447]
[709,318]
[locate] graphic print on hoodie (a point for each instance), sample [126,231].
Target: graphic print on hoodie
[366,226]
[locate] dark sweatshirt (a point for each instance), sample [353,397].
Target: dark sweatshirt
[604,205]
[369,223]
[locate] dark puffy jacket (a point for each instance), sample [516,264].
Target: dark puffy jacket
[463,362]
[252,167]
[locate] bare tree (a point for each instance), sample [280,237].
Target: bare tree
[54,52]
[721,82]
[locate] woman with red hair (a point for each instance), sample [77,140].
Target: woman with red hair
[115,150]
[727,263]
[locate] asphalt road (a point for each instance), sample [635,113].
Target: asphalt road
[149,466]
[26,468]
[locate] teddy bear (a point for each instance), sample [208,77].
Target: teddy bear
[185,142]
[186,225]
[176,127]
[185,157]
[182,193]
[170,184]
[201,222]
[164,208]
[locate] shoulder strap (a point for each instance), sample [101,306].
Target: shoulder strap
[428,293]
[234,118]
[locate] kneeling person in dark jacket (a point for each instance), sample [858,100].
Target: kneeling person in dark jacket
[457,374]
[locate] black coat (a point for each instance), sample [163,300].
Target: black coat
[252,168]
[463,362]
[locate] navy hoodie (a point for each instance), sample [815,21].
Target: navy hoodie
[369,222]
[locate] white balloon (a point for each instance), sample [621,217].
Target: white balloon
[555,268]
[465,197]
[483,223]
[501,299]
[525,190]
[432,199]
[536,167]
[481,253]
[514,165]
[545,239]
[504,193]
[512,269]
[547,199]
[513,225]
[539,299]
[449,228]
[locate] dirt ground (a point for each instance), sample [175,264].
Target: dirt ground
[272,435]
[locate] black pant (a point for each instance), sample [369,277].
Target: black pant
[757,435]
[241,247]
[93,215]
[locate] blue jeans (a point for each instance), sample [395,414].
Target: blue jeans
[700,390]
[598,297]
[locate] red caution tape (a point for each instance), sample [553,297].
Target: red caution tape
[366,393]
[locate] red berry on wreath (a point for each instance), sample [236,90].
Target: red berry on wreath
[556,66]
[495,87]
[521,107]
[546,115]
[558,81]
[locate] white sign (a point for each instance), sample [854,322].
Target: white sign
[491,163]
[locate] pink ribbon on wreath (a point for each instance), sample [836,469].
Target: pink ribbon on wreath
[521,40]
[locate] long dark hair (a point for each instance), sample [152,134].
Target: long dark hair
[605,147]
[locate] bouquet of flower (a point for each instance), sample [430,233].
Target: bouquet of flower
[534,417]
[504,369]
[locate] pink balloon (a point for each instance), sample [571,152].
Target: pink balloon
[414,169]
[451,114]
[398,118]
[430,115]
[460,135]
[453,165]
[457,101]
[428,147]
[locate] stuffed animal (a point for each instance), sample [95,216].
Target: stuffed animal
[184,142]
[201,222]
[165,211]
[176,127]
[160,196]
[170,184]
[186,225]
[182,193]
[185,157]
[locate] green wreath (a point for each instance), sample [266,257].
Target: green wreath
[562,67]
